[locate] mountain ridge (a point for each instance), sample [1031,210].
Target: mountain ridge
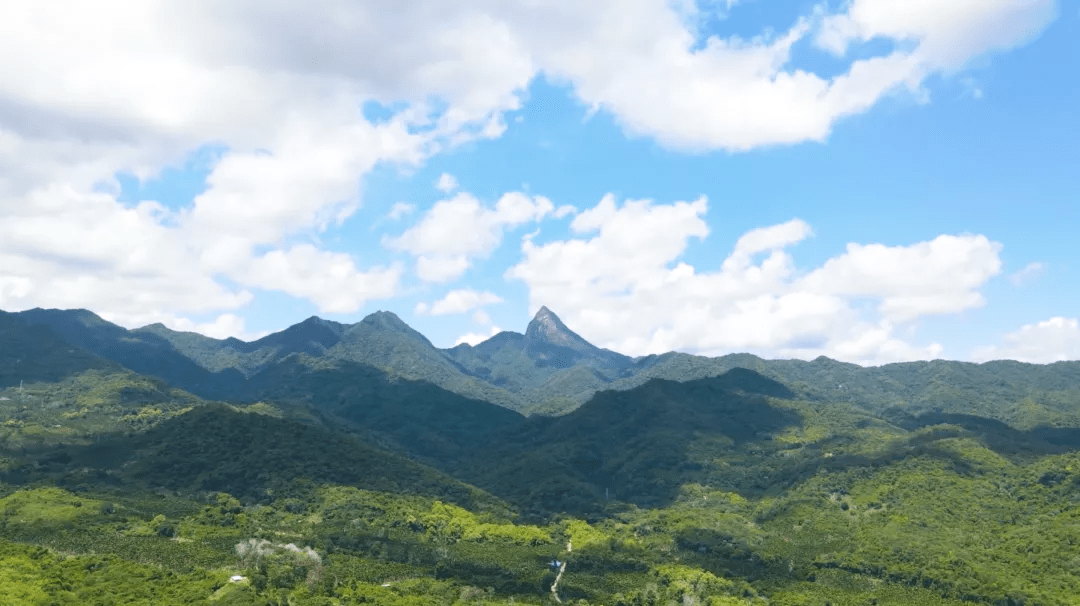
[550,369]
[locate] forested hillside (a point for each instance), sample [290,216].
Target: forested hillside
[734,480]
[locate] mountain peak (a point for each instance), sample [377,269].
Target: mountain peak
[385,319]
[81,316]
[546,326]
[317,321]
[387,322]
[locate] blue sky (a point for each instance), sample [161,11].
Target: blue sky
[874,181]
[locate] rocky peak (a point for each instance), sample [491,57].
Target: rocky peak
[546,326]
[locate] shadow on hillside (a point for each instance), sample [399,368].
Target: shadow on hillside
[399,417]
[33,354]
[1017,446]
[252,456]
[637,446]
[642,445]
[424,420]
[1002,438]
[83,335]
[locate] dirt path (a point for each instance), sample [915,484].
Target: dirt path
[558,577]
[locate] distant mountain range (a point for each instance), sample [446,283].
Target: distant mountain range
[548,370]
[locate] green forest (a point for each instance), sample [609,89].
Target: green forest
[345,484]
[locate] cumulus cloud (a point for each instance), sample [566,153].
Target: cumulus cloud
[458,302]
[456,231]
[935,277]
[221,327]
[946,36]
[474,338]
[622,285]
[89,91]
[71,249]
[641,62]
[1053,340]
[441,268]
[328,279]
[446,183]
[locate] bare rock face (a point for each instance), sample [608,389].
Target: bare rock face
[547,327]
[550,343]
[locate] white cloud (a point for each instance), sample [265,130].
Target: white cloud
[457,230]
[626,289]
[225,325]
[696,13]
[400,209]
[1053,340]
[328,279]
[634,60]
[458,302]
[89,92]
[222,327]
[446,183]
[764,239]
[1030,272]
[564,210]
[474,338]
[481,317]
[947,35]
[868,343]
[441,268]
[68,249]
[971,87]
[935,277]
[92,90]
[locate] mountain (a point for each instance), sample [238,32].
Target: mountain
[636,445]
[37,354]
[367,474]
[251,456]
[549,343]
[142,351]
[234,369]
[428,422]
[313,336]
[382,340]
[74,417]
[551,370]
[1021,394]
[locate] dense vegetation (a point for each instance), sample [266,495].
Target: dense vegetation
[736,481]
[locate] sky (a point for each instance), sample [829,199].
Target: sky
[875,181]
